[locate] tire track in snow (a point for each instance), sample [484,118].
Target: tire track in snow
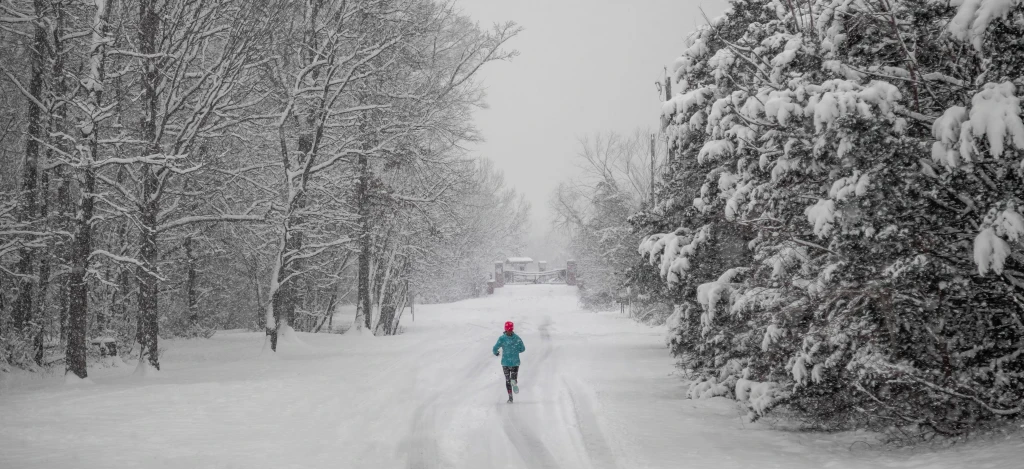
[421,445]
[530,448]
[597,448]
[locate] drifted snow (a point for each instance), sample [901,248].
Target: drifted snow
[597,391]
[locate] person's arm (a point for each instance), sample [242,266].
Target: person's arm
[522,345]
[496,345]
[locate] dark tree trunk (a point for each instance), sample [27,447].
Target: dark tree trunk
[39,305]
[58,113]
[254,276]
[63,212]
[362,199]
[22,313]
[81,250]
[44,285]
[64,253]
[78,289]
[149,325]
[120,296]
[81,241]
[290,294]
[190,285]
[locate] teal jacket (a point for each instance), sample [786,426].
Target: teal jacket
[512,346]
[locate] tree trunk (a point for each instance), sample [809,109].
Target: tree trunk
[384,290]
[329,312]
[190,285]
[149,325]
[81,244]
[284,296]
[78,290]
[281,296]
[22,313]
[120,295]
[63,252]
[363,310]
[254,277]
[293,290]
[285,293]
[285,285]
[277,273]
[58,114]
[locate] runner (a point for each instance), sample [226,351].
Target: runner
[512,346]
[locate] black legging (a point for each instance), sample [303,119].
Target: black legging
[511,373]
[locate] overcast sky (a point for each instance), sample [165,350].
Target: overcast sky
[585,66]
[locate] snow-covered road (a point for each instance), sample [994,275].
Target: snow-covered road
[597,391]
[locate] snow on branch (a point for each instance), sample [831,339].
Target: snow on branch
[191,220]
[125,260]
[990,245]
[995,114]
[973,18]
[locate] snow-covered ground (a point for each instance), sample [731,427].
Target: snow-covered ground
[597,391]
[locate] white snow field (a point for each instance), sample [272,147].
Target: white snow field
[597,391]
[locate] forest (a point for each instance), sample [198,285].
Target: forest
[171,168]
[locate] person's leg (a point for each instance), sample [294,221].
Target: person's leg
[514,375]
[508,378]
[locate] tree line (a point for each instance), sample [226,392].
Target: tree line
[172,167]
[617,177]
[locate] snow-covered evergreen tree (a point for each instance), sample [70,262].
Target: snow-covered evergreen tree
[842,218]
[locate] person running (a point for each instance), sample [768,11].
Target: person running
[512,346]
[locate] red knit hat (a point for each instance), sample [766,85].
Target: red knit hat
[508,326]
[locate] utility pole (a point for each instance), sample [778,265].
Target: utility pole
[652,170]
[668,96]
[668,86]
[664,86]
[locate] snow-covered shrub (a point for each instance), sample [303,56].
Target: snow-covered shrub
[868,158]
[16,351]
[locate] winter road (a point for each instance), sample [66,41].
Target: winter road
[597,391]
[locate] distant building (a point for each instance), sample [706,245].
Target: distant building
[518,263]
